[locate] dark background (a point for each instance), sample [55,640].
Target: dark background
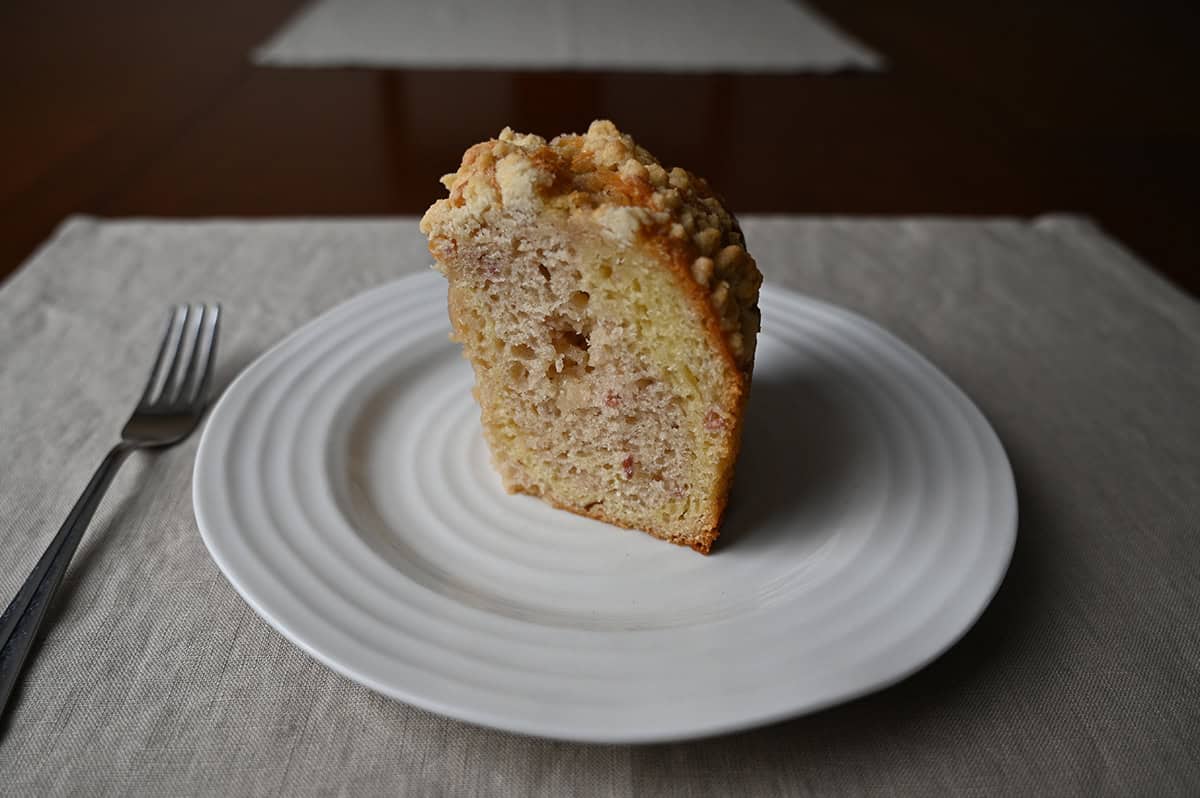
[152,108]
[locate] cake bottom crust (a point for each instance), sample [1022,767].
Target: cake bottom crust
[701,543]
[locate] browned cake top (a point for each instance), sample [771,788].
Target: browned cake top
[605,178]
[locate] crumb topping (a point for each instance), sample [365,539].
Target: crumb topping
[605,178]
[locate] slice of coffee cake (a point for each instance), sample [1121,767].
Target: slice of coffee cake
[609,309]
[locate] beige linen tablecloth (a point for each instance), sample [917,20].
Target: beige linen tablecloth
[1083,677]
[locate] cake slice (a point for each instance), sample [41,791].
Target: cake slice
[609,309]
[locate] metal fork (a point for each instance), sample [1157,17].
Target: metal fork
[170,408]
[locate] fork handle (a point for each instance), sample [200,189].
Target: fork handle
[20,623]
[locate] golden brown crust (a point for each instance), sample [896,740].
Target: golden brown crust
[704,545]
[734,398]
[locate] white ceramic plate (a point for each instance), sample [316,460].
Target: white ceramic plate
[343,486]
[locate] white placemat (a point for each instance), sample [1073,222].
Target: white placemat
[1081,678]
[636,35]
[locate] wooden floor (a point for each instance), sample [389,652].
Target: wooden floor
[151,108]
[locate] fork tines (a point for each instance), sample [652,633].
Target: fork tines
[184,364]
